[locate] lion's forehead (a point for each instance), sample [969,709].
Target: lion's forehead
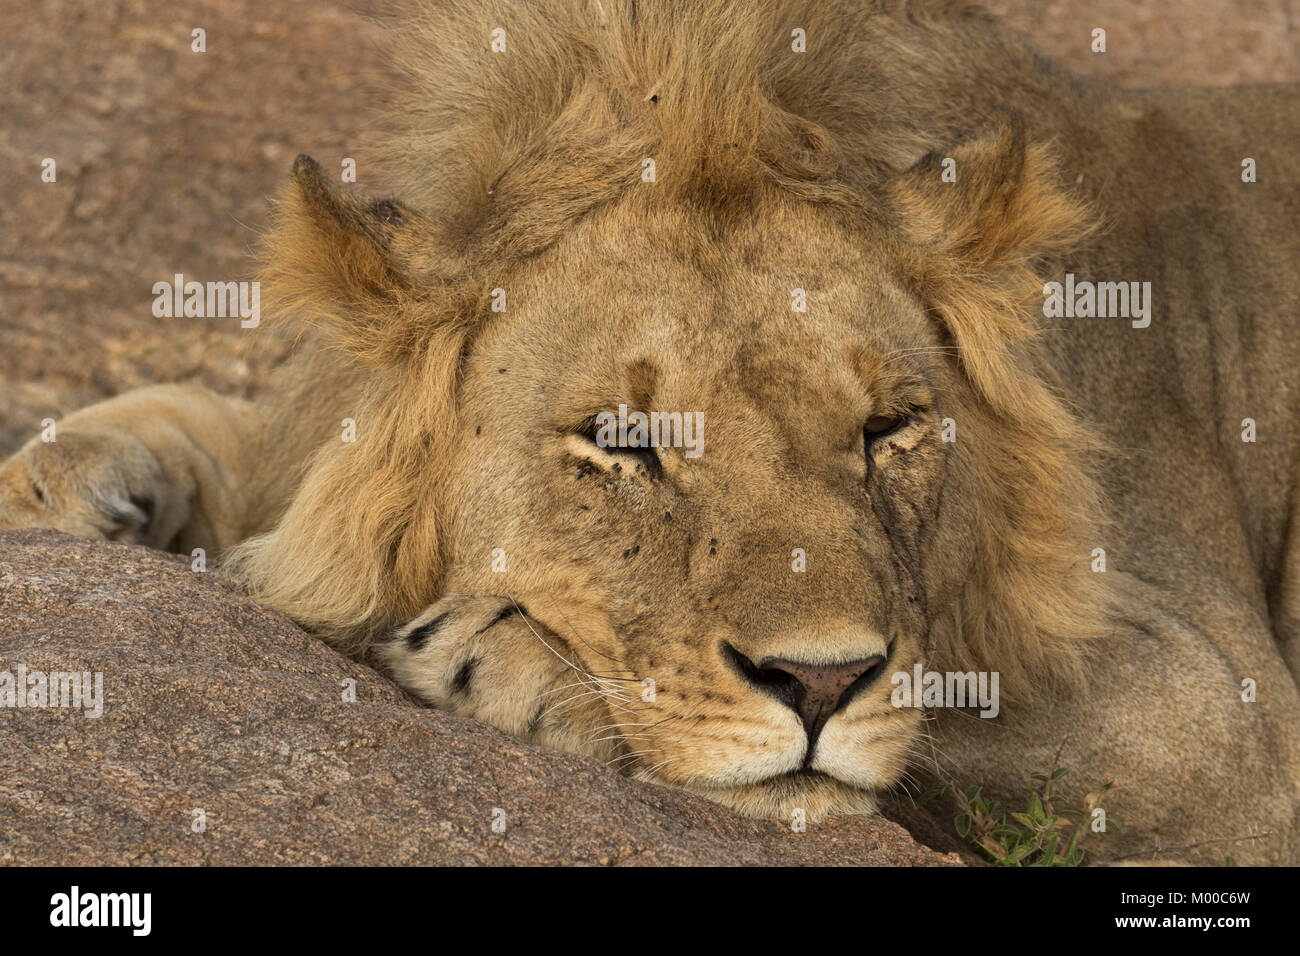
[709,312]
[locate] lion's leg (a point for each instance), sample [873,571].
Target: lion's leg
[483,658]
[166,466]
[1199,744]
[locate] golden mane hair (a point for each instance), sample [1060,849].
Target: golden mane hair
[498,154]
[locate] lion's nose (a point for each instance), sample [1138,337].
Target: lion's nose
[813,691]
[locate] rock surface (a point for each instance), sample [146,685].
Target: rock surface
[214,703]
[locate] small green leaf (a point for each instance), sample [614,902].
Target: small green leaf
[1035,806]
[929,795]
[1049,848]
[1020,852]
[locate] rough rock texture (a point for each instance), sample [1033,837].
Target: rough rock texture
[1170,43]
[214,703]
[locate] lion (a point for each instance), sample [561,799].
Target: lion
[824,233]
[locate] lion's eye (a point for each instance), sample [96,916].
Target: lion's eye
[888,435]
[616,458]
[880,426]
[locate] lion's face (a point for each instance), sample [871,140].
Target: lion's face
[768,580]
[815,533]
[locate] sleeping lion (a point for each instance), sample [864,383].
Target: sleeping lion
[717,372]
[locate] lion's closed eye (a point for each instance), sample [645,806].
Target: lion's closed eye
[589,444]
[880,426]
[888,434]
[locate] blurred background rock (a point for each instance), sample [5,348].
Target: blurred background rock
[166,158]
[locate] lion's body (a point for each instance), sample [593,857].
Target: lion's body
[1222,256]
[1203,542]
[469,479]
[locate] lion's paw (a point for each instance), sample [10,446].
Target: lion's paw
[482,657]
[95,483]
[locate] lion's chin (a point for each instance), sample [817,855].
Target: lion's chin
[815,794]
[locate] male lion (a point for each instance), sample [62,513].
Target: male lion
[833,258]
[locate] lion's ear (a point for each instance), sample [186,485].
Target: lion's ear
[992,201]
[358,269]
[969,247]
[973,221]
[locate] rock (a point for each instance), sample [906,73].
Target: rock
[212,703]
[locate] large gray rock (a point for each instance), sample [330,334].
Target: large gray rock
[214,703]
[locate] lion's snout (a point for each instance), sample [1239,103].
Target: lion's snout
[814,691]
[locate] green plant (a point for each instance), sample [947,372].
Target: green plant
[1048,832]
